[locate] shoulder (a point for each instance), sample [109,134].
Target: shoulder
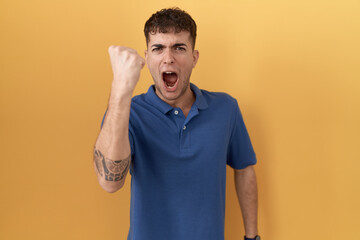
[138,98]
[139,101]
[138,107]
[219,98]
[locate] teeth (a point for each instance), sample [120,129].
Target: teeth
[168,72]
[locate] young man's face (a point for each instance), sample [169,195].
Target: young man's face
[170,59]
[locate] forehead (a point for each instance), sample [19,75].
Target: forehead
[170,38]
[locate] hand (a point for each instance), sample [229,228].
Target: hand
[126,65]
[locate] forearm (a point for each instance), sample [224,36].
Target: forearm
[112,148]
[112,153]
[246,188]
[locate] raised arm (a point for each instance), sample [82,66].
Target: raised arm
[112,154]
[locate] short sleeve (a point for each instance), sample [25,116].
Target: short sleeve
[240,153]
[131,139]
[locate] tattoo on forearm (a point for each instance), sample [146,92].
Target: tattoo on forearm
[114,170]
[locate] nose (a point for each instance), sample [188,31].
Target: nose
[168,57]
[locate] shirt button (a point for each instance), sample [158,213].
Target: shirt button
[176,112]
[184,127]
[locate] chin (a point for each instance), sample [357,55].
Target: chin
[168,96]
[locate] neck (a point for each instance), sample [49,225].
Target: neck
[185,105]
[184,102]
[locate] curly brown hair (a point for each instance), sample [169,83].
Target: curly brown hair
[169,20]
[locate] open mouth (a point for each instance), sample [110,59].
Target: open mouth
[170,79]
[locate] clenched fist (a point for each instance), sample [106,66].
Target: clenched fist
[126,65]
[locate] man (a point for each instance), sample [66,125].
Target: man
[176,140]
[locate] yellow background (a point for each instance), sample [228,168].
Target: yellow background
[294,67]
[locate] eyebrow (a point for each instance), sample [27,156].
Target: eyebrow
[157,45]
[179,45]
[175,45]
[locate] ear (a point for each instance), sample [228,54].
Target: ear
[195,57]
[146,55]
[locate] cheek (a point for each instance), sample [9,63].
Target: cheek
[153,71]
[187,63]
[152,65]
[188,66]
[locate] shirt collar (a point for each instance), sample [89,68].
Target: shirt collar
[200,101]
[153,99]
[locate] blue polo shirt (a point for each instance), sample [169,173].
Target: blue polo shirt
[178,165]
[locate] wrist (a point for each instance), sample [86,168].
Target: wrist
[119,98]
[123,85]
[121,91]
[251,237]
[251,233]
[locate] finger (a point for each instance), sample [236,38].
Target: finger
[111,48]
